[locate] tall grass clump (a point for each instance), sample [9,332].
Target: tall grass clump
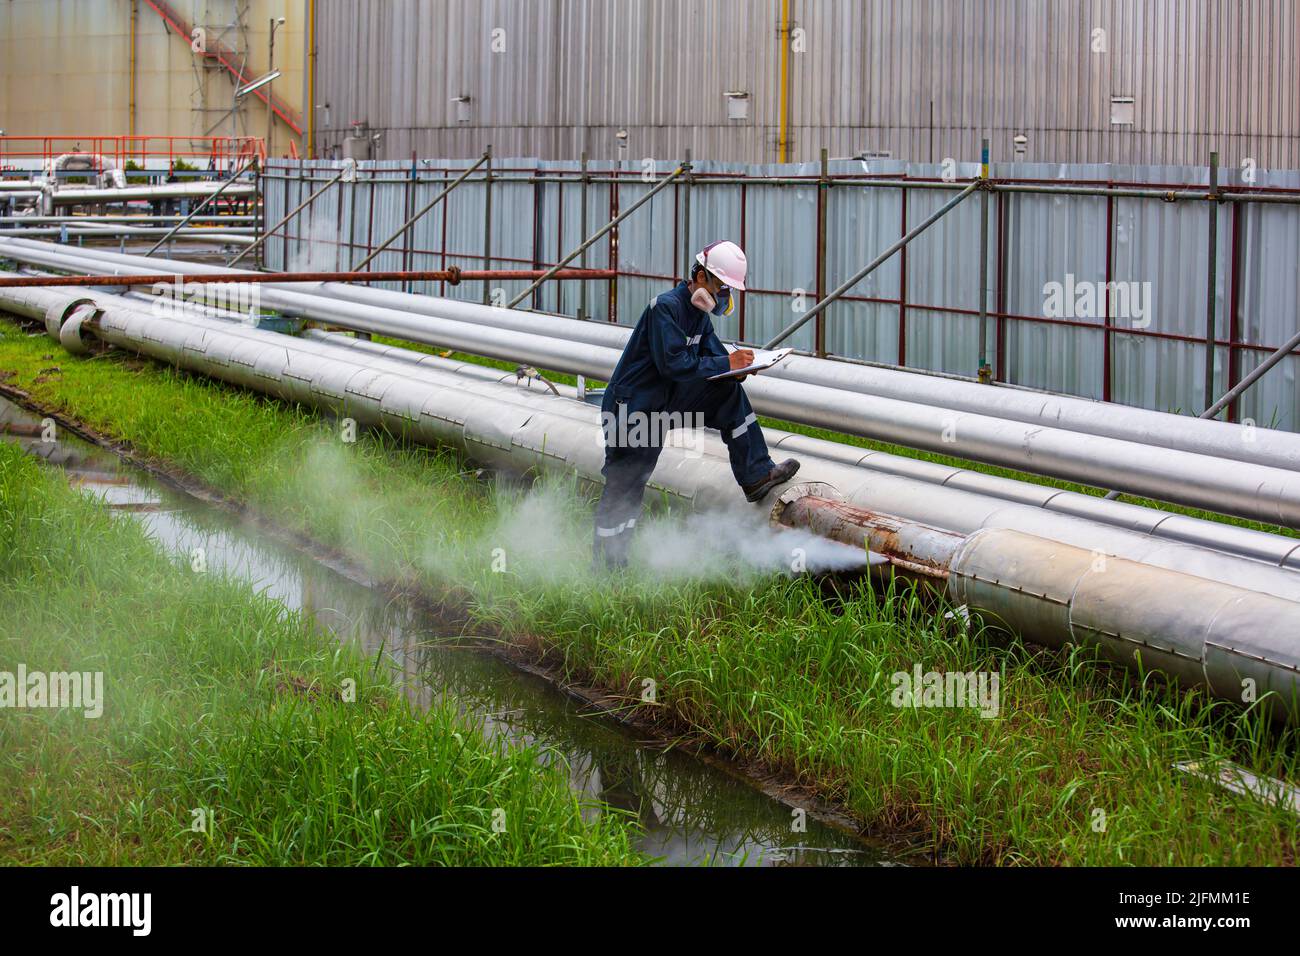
[232,731]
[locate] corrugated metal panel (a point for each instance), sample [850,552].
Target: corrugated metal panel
[1158,249]
[923,79]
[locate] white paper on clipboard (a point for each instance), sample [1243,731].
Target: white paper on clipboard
[763,359]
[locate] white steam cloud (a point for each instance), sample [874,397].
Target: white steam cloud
[543,536]
[318,250]
[546,536]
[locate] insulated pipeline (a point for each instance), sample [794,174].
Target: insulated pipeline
[1251,490]
[952,509]
[1269,548]
[1238,644]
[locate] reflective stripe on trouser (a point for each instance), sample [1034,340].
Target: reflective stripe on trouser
[626,472]
[722,405]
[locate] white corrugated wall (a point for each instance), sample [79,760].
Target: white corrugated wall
[921,79]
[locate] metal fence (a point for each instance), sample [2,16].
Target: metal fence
[1097,276]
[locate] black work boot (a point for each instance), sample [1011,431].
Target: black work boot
[780,473]
[609,554]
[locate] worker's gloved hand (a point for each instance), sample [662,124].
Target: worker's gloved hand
[740,358]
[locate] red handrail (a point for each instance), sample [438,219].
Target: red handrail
[216,152]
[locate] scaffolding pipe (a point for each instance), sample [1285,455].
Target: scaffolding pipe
[983,370]
[1212,275]
[1203,630]
[1256,374]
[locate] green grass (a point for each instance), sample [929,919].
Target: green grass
[1076,769]
[220,702]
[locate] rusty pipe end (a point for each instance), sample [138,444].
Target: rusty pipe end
[802,489]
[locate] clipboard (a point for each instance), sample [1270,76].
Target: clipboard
[763,359]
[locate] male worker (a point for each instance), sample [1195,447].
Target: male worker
[665,369]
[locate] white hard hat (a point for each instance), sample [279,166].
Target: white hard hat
[726,260]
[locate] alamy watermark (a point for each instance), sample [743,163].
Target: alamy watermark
[976,690]
[177,299]
[1086,299]
[133,911]
[72,690]
[624,429]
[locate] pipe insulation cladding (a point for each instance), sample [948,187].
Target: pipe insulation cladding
[1232,539]
[1205,618]
[1270,548]
[953,509]
[1252,490]
[1161,429]
[73,196]
[1273,549]
[1239,644]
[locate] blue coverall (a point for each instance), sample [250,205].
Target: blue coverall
[665,368]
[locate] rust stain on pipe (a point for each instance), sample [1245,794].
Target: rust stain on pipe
[908,545]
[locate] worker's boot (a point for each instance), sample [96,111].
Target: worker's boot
[780,473]
[610,553]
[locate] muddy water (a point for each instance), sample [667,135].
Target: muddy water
[692,813]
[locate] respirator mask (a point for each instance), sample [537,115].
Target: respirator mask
[705,301]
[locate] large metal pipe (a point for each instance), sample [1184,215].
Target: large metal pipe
[127,219]
[1204,629]
[1247,490]
[1221,439]
[235,236]
[1239,644]
[1160,429]
[1231,539]
[77,197]
[1271,549]
[958,511]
